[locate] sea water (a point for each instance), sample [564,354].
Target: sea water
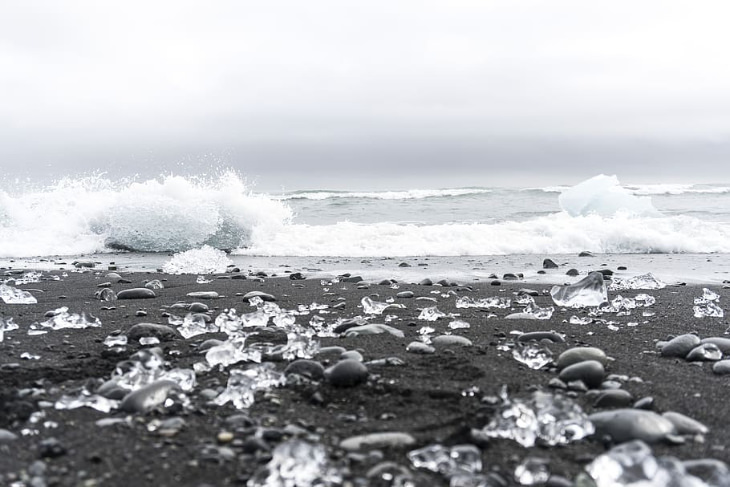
[476,227]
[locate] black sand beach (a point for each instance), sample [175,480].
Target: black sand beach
[436,398]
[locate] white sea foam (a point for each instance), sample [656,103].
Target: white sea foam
[412,194]
[173,213]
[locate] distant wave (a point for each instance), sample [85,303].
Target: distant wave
[412,194]
[676,189]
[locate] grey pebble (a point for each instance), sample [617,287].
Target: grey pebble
[538,336]
[623,425]
[7,436]
[591,372]
[307,368]
[420,348]
[203,295]
[259,294]
[136,293]
[581,354]
[443,341]
[684,425]
[352,354]
[721,367]
[147,397]
[346,373]
[373,329]
[613,398]
[405,294]
[679,346]
[377,440]
[722,343]
[705,352]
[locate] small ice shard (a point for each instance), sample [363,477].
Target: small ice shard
[105,294]
[458,324]
[115,340]
[706,306]
[589,291]
[577,320]
[12,295]
[371,307]
[205,260]
[551,419]
[491,302]
[532,471]
[202,280]
[644,300]
[6,325]
[86,399]
[231,352]
[63,319]
[537,312]
[431,313]
[644,281]
[297,463]
[633,463]
[448,461]
[243,384]
[193,324]
[533,355]
[154,284]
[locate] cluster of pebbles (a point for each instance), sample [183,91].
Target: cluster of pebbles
[276,411]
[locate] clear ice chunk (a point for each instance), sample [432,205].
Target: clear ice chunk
[532,471]
[459,324]
[62,319]
[231,352]
[550,419]
[105,294]
[154,284]
[13,295]
[297,463]
[371,307]
[6,325]
[537,312]
[633,463]
[644,300]
[577,320]
[644,281]
[193,324]
[85,399]
[448,461]
[533,355]
[491,302]
[243,384]
[431,313]
[589,291]
[706,306]
[115,340]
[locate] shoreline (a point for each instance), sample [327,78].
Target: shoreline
[436,398]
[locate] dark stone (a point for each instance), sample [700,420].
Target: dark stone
[549,264]
[680,346]
[147,397]
[537,336]
[136,293]
[259,294]
[572,272]
[306,368]
[591,372]
[51,448]
[585,253]
[614,398]
[296,276]
[426,282]
[347,373]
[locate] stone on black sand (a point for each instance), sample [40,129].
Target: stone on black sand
[163,333]
[623,425]
[591,372]
[147,397]
[581,354]
[347,373]
[136,293]
[679,346]
[259,294]
[549,264]
[572,272]
[306,368]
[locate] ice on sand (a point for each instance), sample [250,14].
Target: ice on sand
[589,291]
[13,295]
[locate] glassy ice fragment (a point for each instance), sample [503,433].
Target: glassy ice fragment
[230,352]
[633,463]
[533,355]
[85,399]
[12,295]
[145,341]
[377,307]
[193,324]
[589,291]
[6,325]
[644,281]
[296,463]
[448,461]
[202,280]
[706,306]
[458,324]
[105,294]
[115,340]
[154,284]
[491,302]
[645,300]
[63,319]
[431,313]
[243,384]
[532,471]
[577,320]
[537,312]
[185,378]
[551,419]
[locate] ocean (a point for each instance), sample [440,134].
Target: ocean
[142,222]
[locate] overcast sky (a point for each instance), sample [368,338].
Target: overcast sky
[297,93]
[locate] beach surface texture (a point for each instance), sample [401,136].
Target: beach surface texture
[246,378]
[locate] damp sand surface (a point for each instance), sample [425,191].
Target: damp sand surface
[436,398]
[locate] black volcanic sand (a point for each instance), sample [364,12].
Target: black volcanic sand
[423,397]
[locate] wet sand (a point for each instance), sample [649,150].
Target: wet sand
[425,396]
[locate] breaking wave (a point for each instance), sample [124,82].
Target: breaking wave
[174,213]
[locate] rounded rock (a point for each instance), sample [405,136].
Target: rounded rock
[161,332]
[581,354]
[147,397]
[136,293]
[680,346]
[623,425]
[347,373]
[722,367]
[707,352]
[445,341]
[307,368]
[613,398]
[684,425]
[590,372]
[420,348]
